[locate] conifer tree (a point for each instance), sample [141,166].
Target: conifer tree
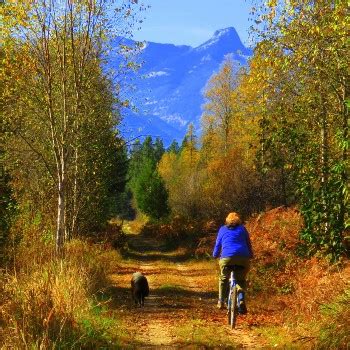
[174,147]
[147,186]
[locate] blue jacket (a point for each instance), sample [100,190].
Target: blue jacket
[233,241]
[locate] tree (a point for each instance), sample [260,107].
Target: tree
[150,192]
[57,95]
[174,147]
[179,172]
[219,109]
[158,149]
[305,48]
[6,205]
[146,184]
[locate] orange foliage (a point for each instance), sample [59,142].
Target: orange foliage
[283,285]
[281,279]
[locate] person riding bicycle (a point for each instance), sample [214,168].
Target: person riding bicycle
[234,247]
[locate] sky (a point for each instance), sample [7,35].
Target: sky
[192,22]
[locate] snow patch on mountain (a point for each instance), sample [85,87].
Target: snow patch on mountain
[205,58]
[150,102]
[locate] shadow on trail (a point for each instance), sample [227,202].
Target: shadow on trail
[180,293]
[122,270]
[155,255]
[145,248]
[148,244]
[160,300]
[189,345]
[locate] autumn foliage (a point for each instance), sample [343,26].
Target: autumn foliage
[276,132]
[288,289]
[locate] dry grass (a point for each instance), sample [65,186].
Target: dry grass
[292,289]
[287,292]
[50,303]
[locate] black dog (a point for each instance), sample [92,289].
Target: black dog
[139,288]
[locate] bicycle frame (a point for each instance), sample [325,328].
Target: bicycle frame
[232,285]
[232,279]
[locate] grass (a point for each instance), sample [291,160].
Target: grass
[201,333]
[49,303]
[278,337]
[171,288]
[335,330]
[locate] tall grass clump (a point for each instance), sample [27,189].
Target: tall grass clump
[335,332]
[49,302]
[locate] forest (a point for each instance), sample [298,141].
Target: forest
[75,192]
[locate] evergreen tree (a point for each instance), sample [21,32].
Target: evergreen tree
[150,192]
[145,183]
[158,149]
[174,148]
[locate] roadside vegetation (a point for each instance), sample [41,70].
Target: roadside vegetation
[53,303]
[294,301]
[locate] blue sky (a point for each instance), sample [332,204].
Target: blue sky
[191,22]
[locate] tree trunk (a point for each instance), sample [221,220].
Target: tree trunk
[284,186]
[61,211]
[75,195]
[345,135]
[226,135]
[324,164]
[2,210]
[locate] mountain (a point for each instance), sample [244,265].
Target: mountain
[168,90]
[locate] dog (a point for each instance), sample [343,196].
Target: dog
[139,288]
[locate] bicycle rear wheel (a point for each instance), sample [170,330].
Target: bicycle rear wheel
[229,302]
[233,308]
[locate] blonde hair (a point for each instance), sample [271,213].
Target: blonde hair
[233,219]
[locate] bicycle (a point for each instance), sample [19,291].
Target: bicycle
[234,296]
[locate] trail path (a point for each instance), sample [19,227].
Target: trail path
[180,312]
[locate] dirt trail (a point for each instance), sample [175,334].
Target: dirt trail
[180,311]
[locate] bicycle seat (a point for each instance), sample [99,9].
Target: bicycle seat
[234,267]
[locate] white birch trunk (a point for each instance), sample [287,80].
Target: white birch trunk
[324,164]
[61,210]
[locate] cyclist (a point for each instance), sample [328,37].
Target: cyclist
[234,247]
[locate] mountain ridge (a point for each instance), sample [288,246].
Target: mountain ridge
[168,89]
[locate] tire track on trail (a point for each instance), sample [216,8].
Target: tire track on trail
[180,311]
[241,336]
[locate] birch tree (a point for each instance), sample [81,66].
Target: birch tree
[55,87]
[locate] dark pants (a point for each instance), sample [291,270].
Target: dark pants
[240,275]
